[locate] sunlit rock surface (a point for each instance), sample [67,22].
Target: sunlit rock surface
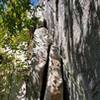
[39,58]
[54,90]
[41,61]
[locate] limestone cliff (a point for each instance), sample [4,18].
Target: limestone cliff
[75,29]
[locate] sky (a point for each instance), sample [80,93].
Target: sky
[34,2]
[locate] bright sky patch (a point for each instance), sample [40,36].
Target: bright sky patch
[34,2]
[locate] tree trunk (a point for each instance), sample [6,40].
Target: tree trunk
[69,55]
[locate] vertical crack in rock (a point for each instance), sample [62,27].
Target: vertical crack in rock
[65,83]
[54,90]
[45,73]
[57,5]
[39,61]
[65,87]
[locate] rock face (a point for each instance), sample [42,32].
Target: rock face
[45,68]
[54,89]
[72,61]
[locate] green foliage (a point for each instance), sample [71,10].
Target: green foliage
[12,72]
[14,38]
[14,15]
